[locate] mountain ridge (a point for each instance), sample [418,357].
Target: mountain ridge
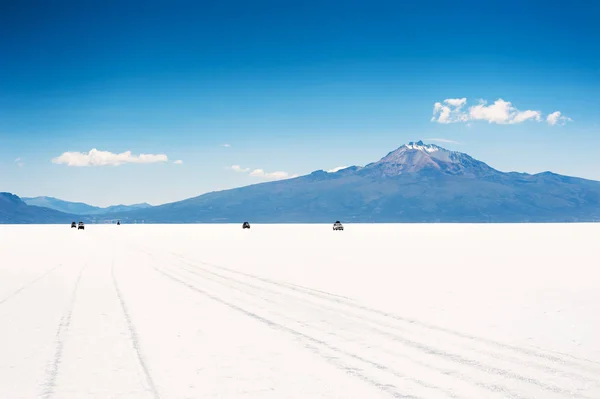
[79,208]
[13,210]
[416,182]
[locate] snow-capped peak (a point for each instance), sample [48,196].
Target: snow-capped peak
[419,145]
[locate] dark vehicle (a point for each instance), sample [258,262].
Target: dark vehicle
[246,225]
[73,225]
[118,222]
[80,227]
[337,225]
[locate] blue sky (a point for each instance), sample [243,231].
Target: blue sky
[289,86]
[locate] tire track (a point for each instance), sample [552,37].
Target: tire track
[330,298]
[134,338]
[423,348]
[313,342]
[566,355]
[361,319]
[63,327]
[293,320]
[317,291]
[27,285]
[288,290]
[456,374]
[321,306]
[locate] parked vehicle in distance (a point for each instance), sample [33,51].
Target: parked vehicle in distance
[246,225]
[337,225]
[73,225]
[80,227]
[118,222]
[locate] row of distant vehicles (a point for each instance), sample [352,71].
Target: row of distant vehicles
[337,226]
[80,226]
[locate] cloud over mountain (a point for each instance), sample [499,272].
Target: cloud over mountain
[336,169]
[238,168]
[443,141]
[269,175]
[260,173]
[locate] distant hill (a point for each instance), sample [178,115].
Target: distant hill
[14,211]
[415,183]
[80,208]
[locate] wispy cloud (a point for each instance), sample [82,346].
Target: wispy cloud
[443,141]
[556,118]
[336,169]
[278,175]
[262,174]
[500,112]
[226,145]
[238,168]
[19,162]
[178,162]
[106,158]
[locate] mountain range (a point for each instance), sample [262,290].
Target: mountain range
[417,182]
[14,211]
[80,208]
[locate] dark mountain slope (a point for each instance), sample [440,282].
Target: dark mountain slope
[415,183]
[14,211]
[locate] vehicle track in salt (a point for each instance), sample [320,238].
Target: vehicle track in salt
[28,284]
[63,327]
[589,366]
[491,387]
[133,335]
[388,388]
[445,371]
[314,345]
[336,305]
[448,372]
[424,348]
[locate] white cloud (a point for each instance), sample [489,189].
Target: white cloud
[451,112]
[178,162]
[257,172]
[526,115]
[269,176]
[500,112]
[456,102]
[19,162]
[226,145]
[238,168]
[336,169]
[443,141]
[556,118]
[260,173]
[105,158]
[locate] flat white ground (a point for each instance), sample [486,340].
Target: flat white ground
[300,311]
